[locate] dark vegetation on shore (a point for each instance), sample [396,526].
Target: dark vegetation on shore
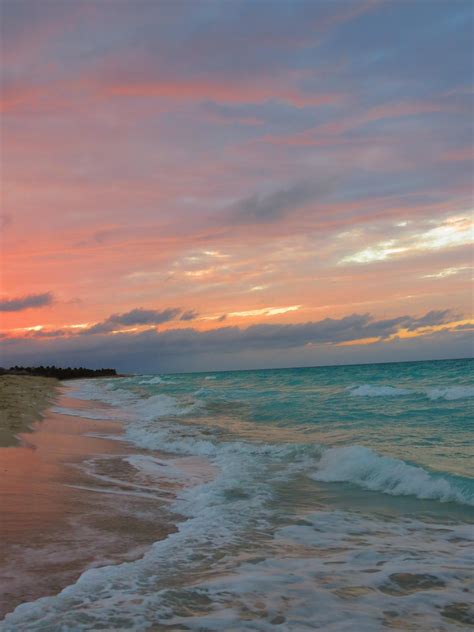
[57,372]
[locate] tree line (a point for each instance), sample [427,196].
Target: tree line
[58,372]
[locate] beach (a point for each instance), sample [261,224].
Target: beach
[299,499]
[56,519]
[24,400]
[236,309]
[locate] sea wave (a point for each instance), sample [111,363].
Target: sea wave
[130,404]
[448,393]
[368,390]
[364,467]
[153,380]
[354,464]
[162,406]
[451,392]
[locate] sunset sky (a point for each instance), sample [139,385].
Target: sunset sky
[222,184]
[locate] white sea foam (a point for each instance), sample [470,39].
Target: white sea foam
[154,467]
[160,406]
[334,571]
[448,393]
[369,390]
[95,414]
[218,513]
[331,570]
[153,380]
[451,392]
[353,464]
[108,391]
[131,406]
[364,467]
[210,377]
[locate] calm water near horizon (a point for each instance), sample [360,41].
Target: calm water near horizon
[333,498]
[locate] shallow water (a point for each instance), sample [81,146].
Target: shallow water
[327,498]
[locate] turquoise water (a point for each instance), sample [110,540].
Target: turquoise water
[423,410]
[336,498]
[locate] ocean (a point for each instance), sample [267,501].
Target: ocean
[328,498]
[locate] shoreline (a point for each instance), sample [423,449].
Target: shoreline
[66,503]
[25,399]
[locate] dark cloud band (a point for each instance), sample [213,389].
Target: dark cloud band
[139,317]
[26,302]
[181,349]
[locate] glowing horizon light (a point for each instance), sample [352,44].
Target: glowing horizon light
[266,311]
[125,330]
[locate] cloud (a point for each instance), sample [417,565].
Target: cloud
[175,349]
[49,333]
[431,319]
[447,272]
[97,238]
[145,95]
[265,311]
[451,233]
[276,205]
[191,314]
[26,302]
[138,316]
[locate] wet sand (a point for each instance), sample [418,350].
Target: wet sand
[23,400]
[59,516]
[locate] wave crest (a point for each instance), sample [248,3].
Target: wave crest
[153,380]
[365,468]
[451,392]
[448,393]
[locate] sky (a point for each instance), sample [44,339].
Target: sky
[223,184]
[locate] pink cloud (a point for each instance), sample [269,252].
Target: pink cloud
[458,154]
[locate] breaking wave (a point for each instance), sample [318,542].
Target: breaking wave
[153,380]
[451,392]
[448,393]
[364,467]
[367,390]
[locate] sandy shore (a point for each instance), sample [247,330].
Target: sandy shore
[69,501]
[23,401]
